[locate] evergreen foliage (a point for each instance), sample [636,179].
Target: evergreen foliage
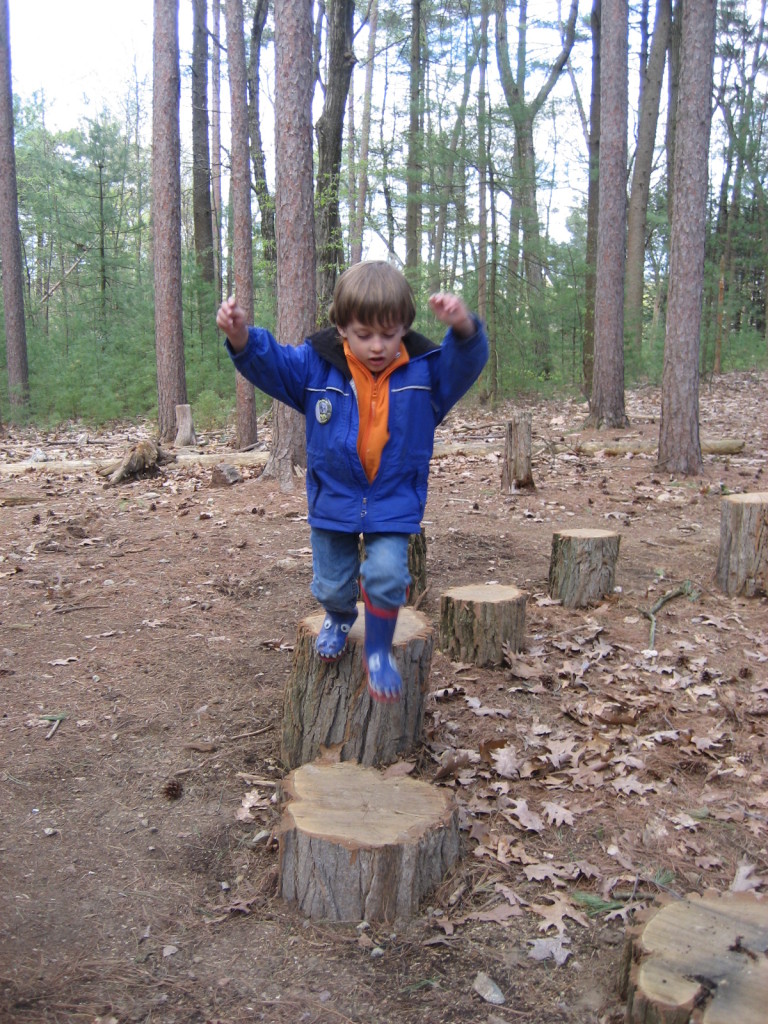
[85,207]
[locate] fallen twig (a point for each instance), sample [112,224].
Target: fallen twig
[684,590]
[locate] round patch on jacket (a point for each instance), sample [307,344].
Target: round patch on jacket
[323,410]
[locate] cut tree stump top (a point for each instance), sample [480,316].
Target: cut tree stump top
[361,808]
[707,954]
[585,533]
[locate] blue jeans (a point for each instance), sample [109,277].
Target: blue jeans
[336,567]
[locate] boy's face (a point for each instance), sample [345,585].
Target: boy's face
[376,347]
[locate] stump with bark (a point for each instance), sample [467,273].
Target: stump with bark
[702,958]
[742,562]
[327,704]
[478,621]
[582,568]
[356,845]
[516,473]
[185,430]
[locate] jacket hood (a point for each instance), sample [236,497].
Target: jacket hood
[329,346]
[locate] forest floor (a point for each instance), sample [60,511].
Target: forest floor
[146,634]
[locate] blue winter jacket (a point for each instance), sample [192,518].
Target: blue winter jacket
[314,378]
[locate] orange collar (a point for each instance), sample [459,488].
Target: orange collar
[373,408]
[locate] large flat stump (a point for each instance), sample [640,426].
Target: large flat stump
[355,845]
[478,621]
[742,561]
[702,958]
[327,703]
[582,567]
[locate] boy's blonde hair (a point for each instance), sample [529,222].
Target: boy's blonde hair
[375,294]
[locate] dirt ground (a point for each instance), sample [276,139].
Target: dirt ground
[146,634]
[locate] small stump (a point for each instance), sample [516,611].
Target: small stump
[355,845]
[516,473]
[185,430]
[478,621]
[327,703]
[582,569]
[742,562]
[702,958]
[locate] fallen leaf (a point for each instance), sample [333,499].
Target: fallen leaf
[544,949]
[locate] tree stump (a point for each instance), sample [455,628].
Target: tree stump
[516,474]
[355,845]
[702,958]
[478,621]
[742,562]
[582,569]
[185,431]
[327,703]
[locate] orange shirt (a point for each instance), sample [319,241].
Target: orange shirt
[373,408]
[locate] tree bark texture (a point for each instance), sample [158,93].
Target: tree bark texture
[413,170]
[201,156]
[523,113]
[607,399]
[742,561]
[327,703]
[185,429]
[294,215]
[582,567]
[166,217]
[516,472]
[265,200]
[637,215]
[247,429]
[679,446]
[478,622]
[700,958]
[361,200]
[10,237]
[590,277]
[216,146]
[330,137]
[356,845]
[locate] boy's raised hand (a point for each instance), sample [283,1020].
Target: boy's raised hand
[452,311]
[231,320]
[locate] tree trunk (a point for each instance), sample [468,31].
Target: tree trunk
[201,160]
[673,88]
[413,162]
[247,430]
[679,445]
[607,400]
[330,136]
[166,217]
[10,237]
[216,148]
[641,174]
[294,220]
[523,114]
[590,279]
[482,167]
[265,200]
[361,199]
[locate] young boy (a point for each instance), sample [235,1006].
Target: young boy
[373,391]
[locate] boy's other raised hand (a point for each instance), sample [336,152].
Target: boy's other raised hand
[231,320]
[452,311]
